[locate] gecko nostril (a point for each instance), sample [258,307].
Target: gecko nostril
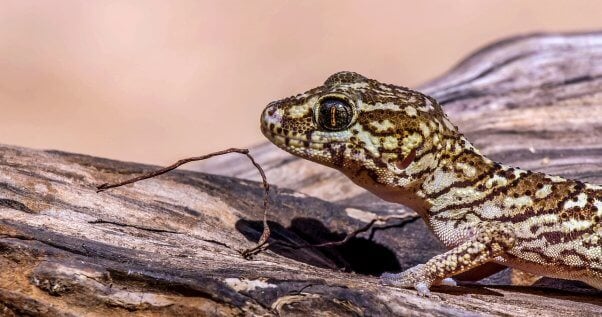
[270,109]
[268,114]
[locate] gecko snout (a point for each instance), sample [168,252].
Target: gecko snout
[270,118]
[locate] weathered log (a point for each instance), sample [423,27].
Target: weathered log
[171,245]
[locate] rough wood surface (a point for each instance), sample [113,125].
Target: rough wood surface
[171,245]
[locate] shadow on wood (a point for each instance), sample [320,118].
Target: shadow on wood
[171,245]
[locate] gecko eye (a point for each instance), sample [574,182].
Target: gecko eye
[334,114]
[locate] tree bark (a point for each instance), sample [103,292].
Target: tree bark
[171,245]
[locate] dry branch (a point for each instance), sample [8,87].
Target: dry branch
[171,245]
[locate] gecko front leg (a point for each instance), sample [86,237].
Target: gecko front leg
[491,239]
[400,145]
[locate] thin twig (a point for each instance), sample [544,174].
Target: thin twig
[261,244]
[368,226]
[177,164]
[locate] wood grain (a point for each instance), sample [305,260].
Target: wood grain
[171,245]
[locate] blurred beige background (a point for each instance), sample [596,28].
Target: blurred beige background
[153,81]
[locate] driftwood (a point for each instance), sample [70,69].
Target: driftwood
[171,245]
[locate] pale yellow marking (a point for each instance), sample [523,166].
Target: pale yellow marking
[411,111]
[594,239]
[592,186]
[440,181]
[428,106]
[375,140]
[410,142]
[389,157]
[456,195]
[524,227]
[436,140]
[426,161]
[296,143]
[576,225]
[468,170]
[457,213]
[448,124]
[544,191]
[594,254]
[382,127]
[389,143]
[501,181]
[581,201]
[297,112]
[467,192]
[358,86]
[279,113]
[378,106]
[518,202]
[384,87]
[425,130]
[367,138]
[316,146]
[433,125]
[519,172]
[279,140]
[330,136]
[448,145]
[491,211]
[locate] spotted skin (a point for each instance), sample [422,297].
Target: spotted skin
[399,144]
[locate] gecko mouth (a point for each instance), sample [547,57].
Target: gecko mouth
[271,127]
[285,140]
[297,146]
[296,143]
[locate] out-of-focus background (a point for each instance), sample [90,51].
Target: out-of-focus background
[154,81]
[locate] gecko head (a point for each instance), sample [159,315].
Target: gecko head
[372,132]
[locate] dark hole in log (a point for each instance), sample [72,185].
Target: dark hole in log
[358,255]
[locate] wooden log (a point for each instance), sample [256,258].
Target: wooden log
[171,245]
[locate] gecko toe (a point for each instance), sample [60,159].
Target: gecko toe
[423,289]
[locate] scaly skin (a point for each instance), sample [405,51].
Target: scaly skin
[400,145]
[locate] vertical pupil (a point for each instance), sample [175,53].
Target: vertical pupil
[334,114]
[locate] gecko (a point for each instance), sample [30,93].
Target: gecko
[400,145]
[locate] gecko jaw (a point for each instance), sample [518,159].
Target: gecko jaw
[320,151]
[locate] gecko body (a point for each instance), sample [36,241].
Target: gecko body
[399,144]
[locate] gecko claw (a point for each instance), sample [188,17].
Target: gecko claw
[423,289]
[410,278]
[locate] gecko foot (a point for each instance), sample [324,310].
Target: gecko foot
[413,277]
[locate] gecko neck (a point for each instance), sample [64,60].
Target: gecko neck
[438,179]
